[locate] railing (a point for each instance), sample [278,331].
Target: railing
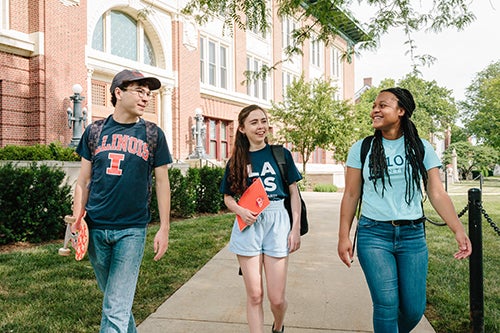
[476,288]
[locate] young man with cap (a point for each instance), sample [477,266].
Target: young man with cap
[113,191]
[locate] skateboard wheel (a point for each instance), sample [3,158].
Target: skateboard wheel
[64,252]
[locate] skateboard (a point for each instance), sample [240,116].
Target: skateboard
[79,239]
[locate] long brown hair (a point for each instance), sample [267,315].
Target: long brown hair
[240,158]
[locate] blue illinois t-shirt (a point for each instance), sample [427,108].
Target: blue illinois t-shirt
[392,205]
[119,186]
[264,165]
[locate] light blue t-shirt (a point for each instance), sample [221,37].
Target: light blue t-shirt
[392,206]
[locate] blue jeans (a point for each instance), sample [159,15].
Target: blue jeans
[394,261]
[116,257]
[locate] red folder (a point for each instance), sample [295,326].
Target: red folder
[255,199]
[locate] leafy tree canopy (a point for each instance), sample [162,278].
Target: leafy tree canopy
[458,134]
[312,118]
[436,110]
[328,18]
[481,109]
[471,158]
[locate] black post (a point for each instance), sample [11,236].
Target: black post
[476,263]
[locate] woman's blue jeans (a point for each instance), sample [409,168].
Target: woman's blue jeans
[394,260]
[116,257]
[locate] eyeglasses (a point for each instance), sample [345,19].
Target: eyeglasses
[141,93]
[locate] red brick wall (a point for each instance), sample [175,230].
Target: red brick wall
[35,90]
[186,63]
[64,65]
[14,94]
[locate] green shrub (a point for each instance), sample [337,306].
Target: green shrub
[33,202]
[209,197]
[196,192]
[38,152]
[183,199]
[325,188]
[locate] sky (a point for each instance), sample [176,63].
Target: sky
[460,54]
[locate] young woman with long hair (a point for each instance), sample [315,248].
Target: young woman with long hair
[267,241]
[391,248]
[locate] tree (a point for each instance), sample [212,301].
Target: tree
[471,158]
[312,118]
[436,110]
[458,134]
[329,18]
[481,109]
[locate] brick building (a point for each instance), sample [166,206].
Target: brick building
[47,46]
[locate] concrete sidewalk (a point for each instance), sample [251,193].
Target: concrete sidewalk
[323,294]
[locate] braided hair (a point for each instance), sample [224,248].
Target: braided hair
[415,171]
[240,157]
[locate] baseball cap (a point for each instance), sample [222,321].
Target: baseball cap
[127,75]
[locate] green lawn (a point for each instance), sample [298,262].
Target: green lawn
[448,307]
[41,291]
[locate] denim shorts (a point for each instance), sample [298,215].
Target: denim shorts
[268,235]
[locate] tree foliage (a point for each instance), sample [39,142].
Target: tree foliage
[481,109]
[312,118]
[471,158]
[436,109]
[328,18]
[458,134]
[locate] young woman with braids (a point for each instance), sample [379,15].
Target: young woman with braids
[392,250]
[268,239]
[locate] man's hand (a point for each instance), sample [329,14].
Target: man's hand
[160,243]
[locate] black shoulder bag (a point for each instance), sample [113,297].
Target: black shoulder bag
[279,156]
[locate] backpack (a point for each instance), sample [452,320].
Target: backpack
[151,138]
[279,155]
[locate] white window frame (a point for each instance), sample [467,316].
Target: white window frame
[316,53]
[4,15]
[287,78]
[258,88]
[106,20]
[220,77]
[337,71]
[336,63]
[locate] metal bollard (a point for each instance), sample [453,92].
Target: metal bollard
[476,295]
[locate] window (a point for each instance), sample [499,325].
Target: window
[213,63]
[286,79]
[288,26]
[336,63]
[202,60]
[127,38]
[218,147]
[4,15]
[257,86]
[316,52]
[256,30]
[337,72]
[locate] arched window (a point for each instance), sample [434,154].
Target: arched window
[121,35]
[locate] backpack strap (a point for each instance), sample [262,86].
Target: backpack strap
[94,135]
[152,138]
[279,155]
[365,148]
